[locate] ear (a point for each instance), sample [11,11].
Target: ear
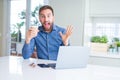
[53,18]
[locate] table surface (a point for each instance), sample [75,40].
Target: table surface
[16,68]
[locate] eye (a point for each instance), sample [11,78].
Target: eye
[42,16]
[49,15]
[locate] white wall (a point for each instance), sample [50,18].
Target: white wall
[104,8]
[69,12]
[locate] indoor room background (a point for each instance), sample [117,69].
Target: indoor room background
[88,18]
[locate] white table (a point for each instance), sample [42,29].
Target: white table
[16,68]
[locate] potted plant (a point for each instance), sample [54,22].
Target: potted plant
[99,44]
[95,39]
[111,48]
[14,36]
[18,33]
[103,39]
[118,46]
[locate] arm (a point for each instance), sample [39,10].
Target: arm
[29,45]
[28,49]
[65,37]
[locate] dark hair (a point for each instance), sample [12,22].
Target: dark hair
[46,7]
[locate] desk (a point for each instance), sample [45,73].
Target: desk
[16,68]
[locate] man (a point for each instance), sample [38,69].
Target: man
[46,38]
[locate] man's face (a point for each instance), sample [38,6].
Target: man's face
[46,18]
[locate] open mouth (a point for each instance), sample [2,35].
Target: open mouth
[47,25]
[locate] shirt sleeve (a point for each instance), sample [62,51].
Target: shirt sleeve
[28,49]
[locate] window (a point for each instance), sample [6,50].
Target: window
[17,8]
[109,27]
[35,4]
[23,14]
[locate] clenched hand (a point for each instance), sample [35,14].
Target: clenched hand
[31,33]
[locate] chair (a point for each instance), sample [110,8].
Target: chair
[19,48]
[13,48]
[34,55]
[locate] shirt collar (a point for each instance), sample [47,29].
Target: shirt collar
[54,27]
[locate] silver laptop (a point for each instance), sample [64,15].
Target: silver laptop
[70,57]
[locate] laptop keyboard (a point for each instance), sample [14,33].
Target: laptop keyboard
[52,65]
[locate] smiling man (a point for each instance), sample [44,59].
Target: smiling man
[46,38]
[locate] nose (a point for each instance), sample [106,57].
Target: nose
[46,18]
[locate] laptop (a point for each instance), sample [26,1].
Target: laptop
[70,57]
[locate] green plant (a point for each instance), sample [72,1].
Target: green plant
[111,46]
[103,39]
[19,25]
[34,15]
[98,39]
[115,39]
[95,39]
[118,44]
[14,34]
[17,34]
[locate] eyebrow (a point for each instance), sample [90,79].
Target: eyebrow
[47,14]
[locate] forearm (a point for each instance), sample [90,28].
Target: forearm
[27,41]
[67,43]
[27,51]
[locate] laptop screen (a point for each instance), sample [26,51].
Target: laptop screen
[72,57]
